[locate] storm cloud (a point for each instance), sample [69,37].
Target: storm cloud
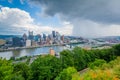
[87,16]
[104,11]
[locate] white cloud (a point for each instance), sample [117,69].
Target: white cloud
[0,6]
[10,1]
[89,28]
[16,21]
[14,16]
[22,1]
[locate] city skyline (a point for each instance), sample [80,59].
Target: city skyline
[68,17]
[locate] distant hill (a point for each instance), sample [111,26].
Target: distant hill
[8,36]
[110,37]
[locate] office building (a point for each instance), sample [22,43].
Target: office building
[28,43]
[24,37]
[30,35]
[37,38]
[44,37]
[52,52]
[58,37]
[17,42]
[53,34]
[62,38]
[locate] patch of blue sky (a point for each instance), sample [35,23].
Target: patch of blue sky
[17,4]
[48,21]
[53,21]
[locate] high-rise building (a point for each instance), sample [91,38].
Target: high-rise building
[34,43]
[28,43]
[58,37]
[54,34]
[24,37]
[40,39]
[31,37]
[44,37]
[17,42]
[50,36]
[37,37]
[62,38]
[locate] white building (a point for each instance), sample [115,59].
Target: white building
[28,43]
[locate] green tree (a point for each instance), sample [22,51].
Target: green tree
[117,49]
[6,69]
[21,70]
[79,58]
[107,54]
[17,77]
[97,63]
[45,67]
[66,58]
[66,74]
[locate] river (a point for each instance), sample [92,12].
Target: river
[34,51]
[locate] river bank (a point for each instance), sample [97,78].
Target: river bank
[30,47]
[30,51]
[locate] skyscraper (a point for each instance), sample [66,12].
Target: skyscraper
[24,37]
[54,34]
[58,37]
[62,38]
[37,38]
[30,35]
[44,37]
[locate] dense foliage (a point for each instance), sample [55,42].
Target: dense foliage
[96,63]
[66,74]
[21,70]
[109,71]
[49,67]
[45,67]
[6,69]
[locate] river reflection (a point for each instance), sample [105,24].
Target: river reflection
[30,52]
[34,51]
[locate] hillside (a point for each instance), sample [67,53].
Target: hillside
[101,64]
[107,71]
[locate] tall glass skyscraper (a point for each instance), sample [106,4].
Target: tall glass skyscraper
[54,34]
[31,37]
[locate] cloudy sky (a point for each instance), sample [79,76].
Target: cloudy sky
[86,18]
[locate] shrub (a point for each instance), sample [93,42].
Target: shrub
[96,63]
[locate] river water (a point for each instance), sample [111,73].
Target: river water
[34,51]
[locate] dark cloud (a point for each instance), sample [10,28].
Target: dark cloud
[90,18]
[103,11]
